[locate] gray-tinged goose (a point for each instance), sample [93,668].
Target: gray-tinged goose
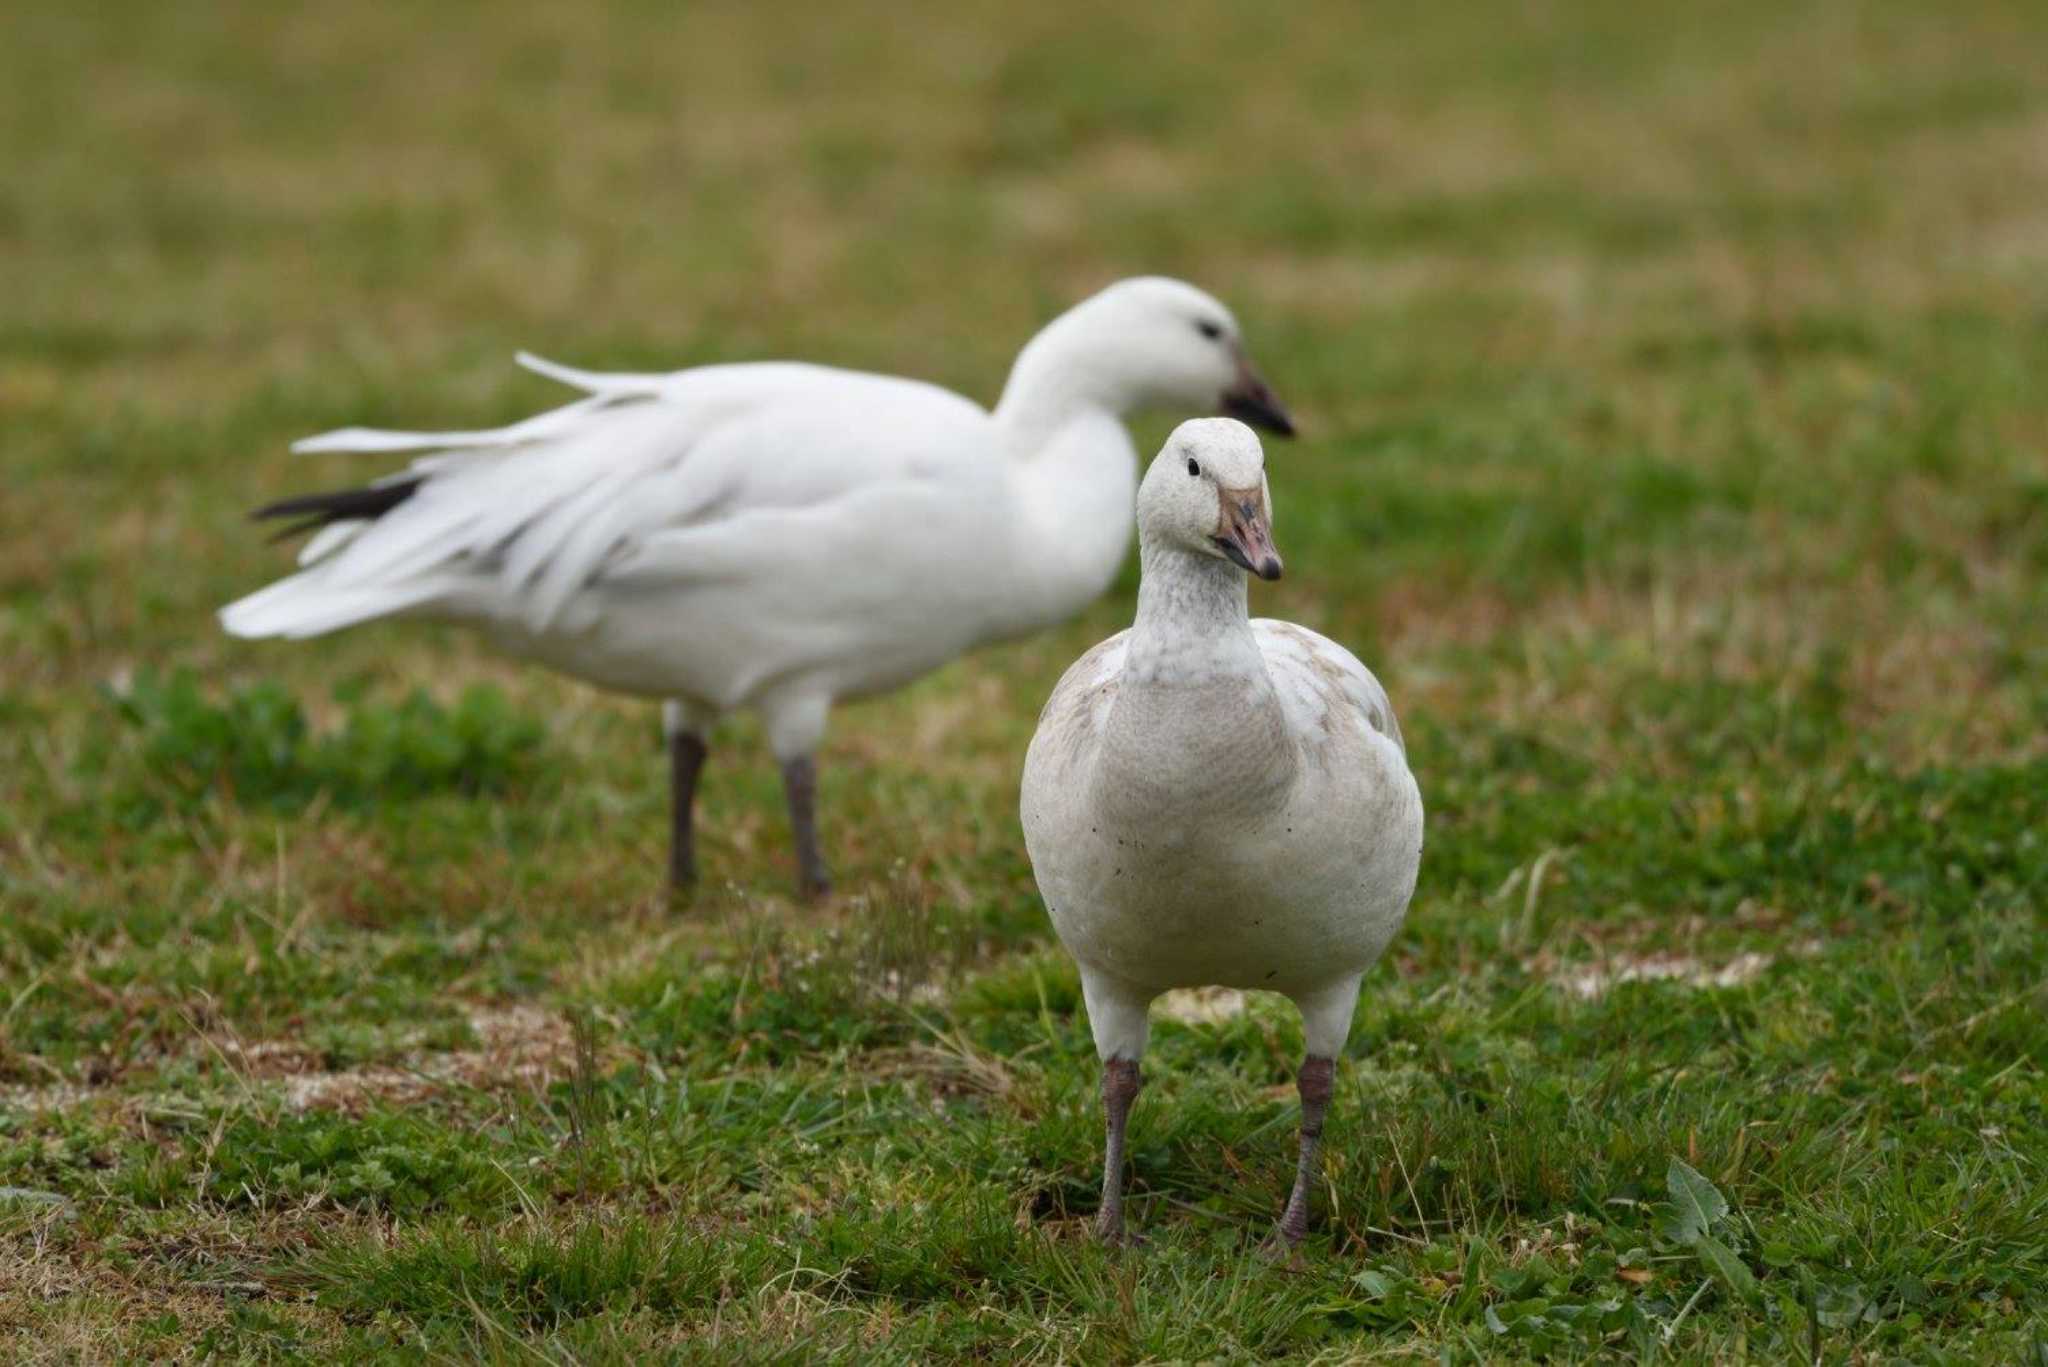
[1211,799]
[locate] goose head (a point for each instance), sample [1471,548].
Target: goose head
[1206,494]
[1151,343]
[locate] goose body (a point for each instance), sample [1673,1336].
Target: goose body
[1215,800]
[773,536]
[1298,866]
[733,581]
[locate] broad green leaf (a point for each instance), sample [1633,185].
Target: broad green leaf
[1721,1260]
[1373,1283]
[1839,1306]
[1697,1202]
[1512,1281]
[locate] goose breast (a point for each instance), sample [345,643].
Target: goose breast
[1280,898]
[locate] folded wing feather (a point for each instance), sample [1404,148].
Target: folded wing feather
[534,511]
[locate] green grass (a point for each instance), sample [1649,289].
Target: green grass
[1674,430]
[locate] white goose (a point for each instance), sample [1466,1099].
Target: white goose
[771,535]
[1211,799]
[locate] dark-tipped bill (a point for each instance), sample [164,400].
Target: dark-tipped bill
[1251,401]
[1246,538]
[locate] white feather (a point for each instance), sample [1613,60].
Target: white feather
[592,381]
[540,427]
[330,539]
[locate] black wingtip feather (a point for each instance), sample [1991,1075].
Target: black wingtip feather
[339,505]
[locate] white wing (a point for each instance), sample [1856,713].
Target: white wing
[1315,676]
[525,516]
[1073,717]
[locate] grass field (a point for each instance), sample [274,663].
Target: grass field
[1675,398]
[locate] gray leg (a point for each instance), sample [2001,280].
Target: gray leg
[1314,1084]
[800,784]
[1120,1083]
[686,752]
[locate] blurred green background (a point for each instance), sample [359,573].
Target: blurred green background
[1671,389]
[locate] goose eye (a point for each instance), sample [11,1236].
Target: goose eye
[1193,468]
[1208,329]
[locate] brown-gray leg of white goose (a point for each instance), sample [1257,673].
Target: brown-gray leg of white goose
[686,753]
[1120,1083]
[1314,1082]
[800,785]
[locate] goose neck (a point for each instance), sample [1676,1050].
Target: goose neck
[1193,622]
[1196,715]
[1069,520]
[1053,382]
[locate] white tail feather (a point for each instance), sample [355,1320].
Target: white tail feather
[599,391]
[527,511]
[616,385]
[375,439]
[331,538]
[302,606]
